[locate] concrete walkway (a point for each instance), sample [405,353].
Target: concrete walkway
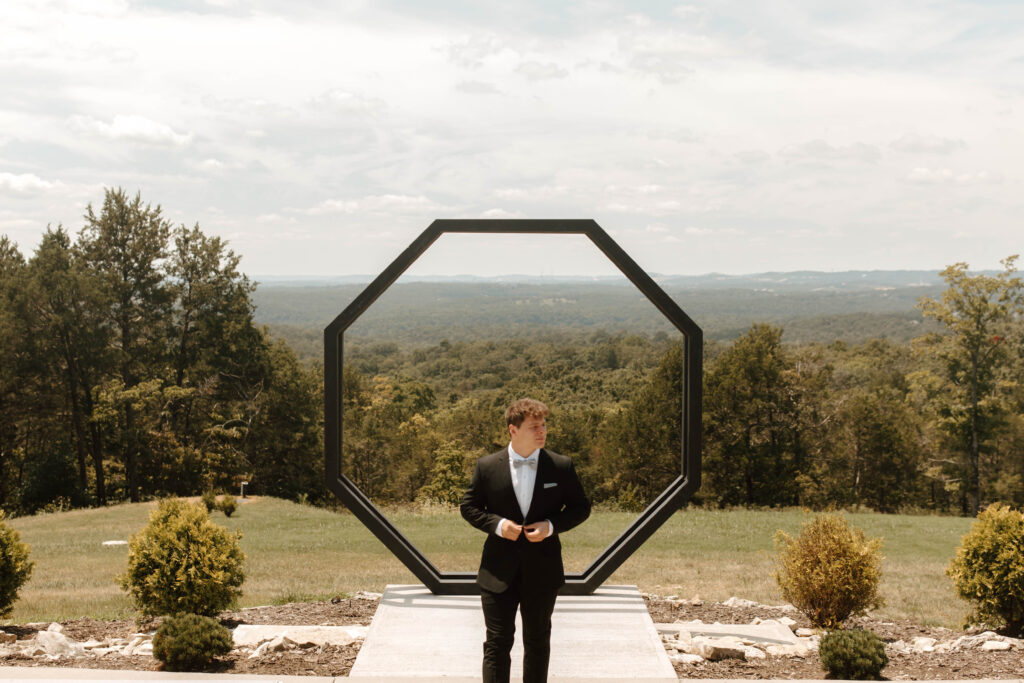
[55,675]
[605,636]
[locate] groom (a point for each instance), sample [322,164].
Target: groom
[523,497]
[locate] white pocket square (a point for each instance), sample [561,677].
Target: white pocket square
[550,484]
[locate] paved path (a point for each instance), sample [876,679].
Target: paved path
[55,674]
[605,636]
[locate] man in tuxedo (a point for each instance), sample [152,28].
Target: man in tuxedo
[523,497]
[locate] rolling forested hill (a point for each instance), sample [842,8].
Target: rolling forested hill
[811,307]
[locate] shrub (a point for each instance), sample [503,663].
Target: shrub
[830,571]
[227,504]
[189,642]
[853,655]
[209,499]
[988,568]
[15,567]
[183,562]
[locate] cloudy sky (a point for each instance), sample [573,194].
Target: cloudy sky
[319,138]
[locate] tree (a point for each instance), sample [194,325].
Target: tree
[980,313]
[71,342]
[125,245]
[750,422]
[12,265]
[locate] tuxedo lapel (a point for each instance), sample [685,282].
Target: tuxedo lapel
[503,484]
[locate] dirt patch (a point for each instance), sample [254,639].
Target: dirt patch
[332,660]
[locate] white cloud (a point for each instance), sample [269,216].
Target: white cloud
[927,144]
[133,128]
[473,51]
[26,183]
[821,150]
[477,88]
[944,176]
[387,203]
[537,71]
[501,213]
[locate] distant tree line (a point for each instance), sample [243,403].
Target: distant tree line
[132,369]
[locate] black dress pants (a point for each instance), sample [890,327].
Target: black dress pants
[535,606]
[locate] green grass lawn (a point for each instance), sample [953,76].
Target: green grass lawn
[296,552]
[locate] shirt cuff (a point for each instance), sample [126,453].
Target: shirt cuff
[497,529]
[551,528]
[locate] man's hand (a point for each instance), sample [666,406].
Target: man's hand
[510,530]
[536,532]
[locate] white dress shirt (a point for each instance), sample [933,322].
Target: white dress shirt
[523,481]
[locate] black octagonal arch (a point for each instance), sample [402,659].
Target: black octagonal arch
[656,513]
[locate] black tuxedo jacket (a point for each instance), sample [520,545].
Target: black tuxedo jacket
[557,496]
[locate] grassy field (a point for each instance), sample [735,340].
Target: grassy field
[297,552]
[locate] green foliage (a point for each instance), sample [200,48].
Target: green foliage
[190,642]
[830,571]
[15,567]
[988,569]
[227,504]
[183,562]
[209,500]
[855,655]
[449,476]
[981,314]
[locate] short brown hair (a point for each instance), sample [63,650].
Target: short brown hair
[523,408]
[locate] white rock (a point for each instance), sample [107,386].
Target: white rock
[54,643]
[751,652]
[129,649]
[739,602]
[145,649]
[715,649]
[922,644]
[280,644]
[683,658]
[672,597]
[55,628]
[995,646]
[696,601]
[787,650]
[786,621]
[259,651]
[804,632]
[114,543]
[898,647]
[368,595]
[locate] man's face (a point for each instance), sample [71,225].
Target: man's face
[529,436]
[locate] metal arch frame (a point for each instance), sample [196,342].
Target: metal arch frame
[656,513]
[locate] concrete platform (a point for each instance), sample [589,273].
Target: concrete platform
[601,637]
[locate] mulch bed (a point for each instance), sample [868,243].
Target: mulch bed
[337,661]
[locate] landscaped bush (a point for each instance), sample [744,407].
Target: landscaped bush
[15,567]
[988,568]
[189,642]
[182,562]
[830,571]
[853,655]
[227,504]
[209,499]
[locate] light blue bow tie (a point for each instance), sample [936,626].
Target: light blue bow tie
[518,462]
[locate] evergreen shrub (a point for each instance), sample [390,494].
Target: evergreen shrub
[227,504]
[182,562]
[209,499]
[15,567]
[190,642]
[988,568]
[830,571]
[854,655]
